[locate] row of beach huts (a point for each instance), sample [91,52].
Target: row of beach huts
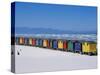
[75,46]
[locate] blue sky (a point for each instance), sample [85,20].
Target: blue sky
[60,17]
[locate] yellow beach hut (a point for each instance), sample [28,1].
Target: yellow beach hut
[60,44]
[89,47]
[30,41]
[45,43]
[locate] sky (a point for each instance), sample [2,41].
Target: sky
[55,16]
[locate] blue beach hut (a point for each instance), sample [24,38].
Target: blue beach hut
[77,46]
[54,44]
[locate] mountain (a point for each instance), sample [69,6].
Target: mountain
[25,30]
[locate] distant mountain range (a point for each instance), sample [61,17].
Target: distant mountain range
[25,30]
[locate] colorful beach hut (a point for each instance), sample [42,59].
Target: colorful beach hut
[40,42]
[26,41]
[33,41]
[45,43]
[89,47]
[30,41]
[48,46]
[60,44]
[54,44]
[37,42]
[77,46]
[65,45]
[50,41]
[21,40]
[70,46]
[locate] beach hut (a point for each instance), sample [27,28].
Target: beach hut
[77,46]
[45,43]
[21,40]
[60,44]
[54,44]
[26,41]
[70,46]
[37,42]
[50,42]
[33,41]
[65,45]
[30,41]
[89,47]
[40,42]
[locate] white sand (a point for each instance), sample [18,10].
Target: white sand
[34,59]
